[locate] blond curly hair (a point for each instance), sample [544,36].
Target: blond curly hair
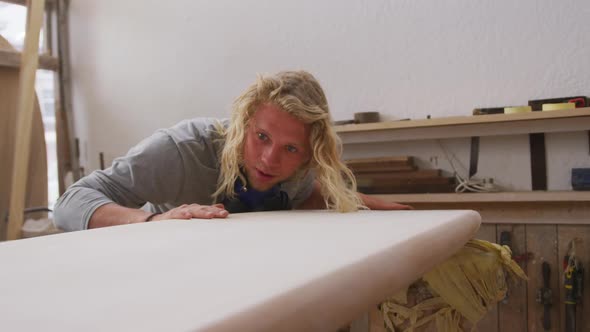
[299,94]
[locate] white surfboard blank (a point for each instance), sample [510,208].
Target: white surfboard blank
[268,271]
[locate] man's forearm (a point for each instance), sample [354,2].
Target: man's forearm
[112,214]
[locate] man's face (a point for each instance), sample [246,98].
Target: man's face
[276,146]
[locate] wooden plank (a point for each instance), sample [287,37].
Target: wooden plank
[567,233]
[395,160]
[409,188]
[11,58]
[381,164]
[382,168]
[489,323]
[25,119]
[541,240]
[512,311]
[417,174]
[401,182]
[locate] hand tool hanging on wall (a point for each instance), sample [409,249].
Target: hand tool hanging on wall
[506,240]
[573,284]
[544,296]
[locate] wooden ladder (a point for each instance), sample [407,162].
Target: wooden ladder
[29,61]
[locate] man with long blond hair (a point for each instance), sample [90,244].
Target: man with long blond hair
[277,152]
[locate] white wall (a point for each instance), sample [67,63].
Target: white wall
[142,65]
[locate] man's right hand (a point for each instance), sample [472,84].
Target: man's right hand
[196,211]
[112,214]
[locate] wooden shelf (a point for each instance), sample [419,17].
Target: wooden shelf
[496,197]
[10,58]
[467,126]
[532,207]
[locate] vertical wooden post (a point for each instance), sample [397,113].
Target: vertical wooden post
[29,63]
[67,150]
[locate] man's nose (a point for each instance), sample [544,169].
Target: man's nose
[271,156]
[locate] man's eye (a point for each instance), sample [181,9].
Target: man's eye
[262,136]
[291,148]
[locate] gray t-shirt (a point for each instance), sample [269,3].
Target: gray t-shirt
[174,166]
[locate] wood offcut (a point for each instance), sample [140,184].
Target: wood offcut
[398,174]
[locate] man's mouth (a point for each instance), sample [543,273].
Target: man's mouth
[263,174]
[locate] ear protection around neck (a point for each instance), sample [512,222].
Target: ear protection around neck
[274,201]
